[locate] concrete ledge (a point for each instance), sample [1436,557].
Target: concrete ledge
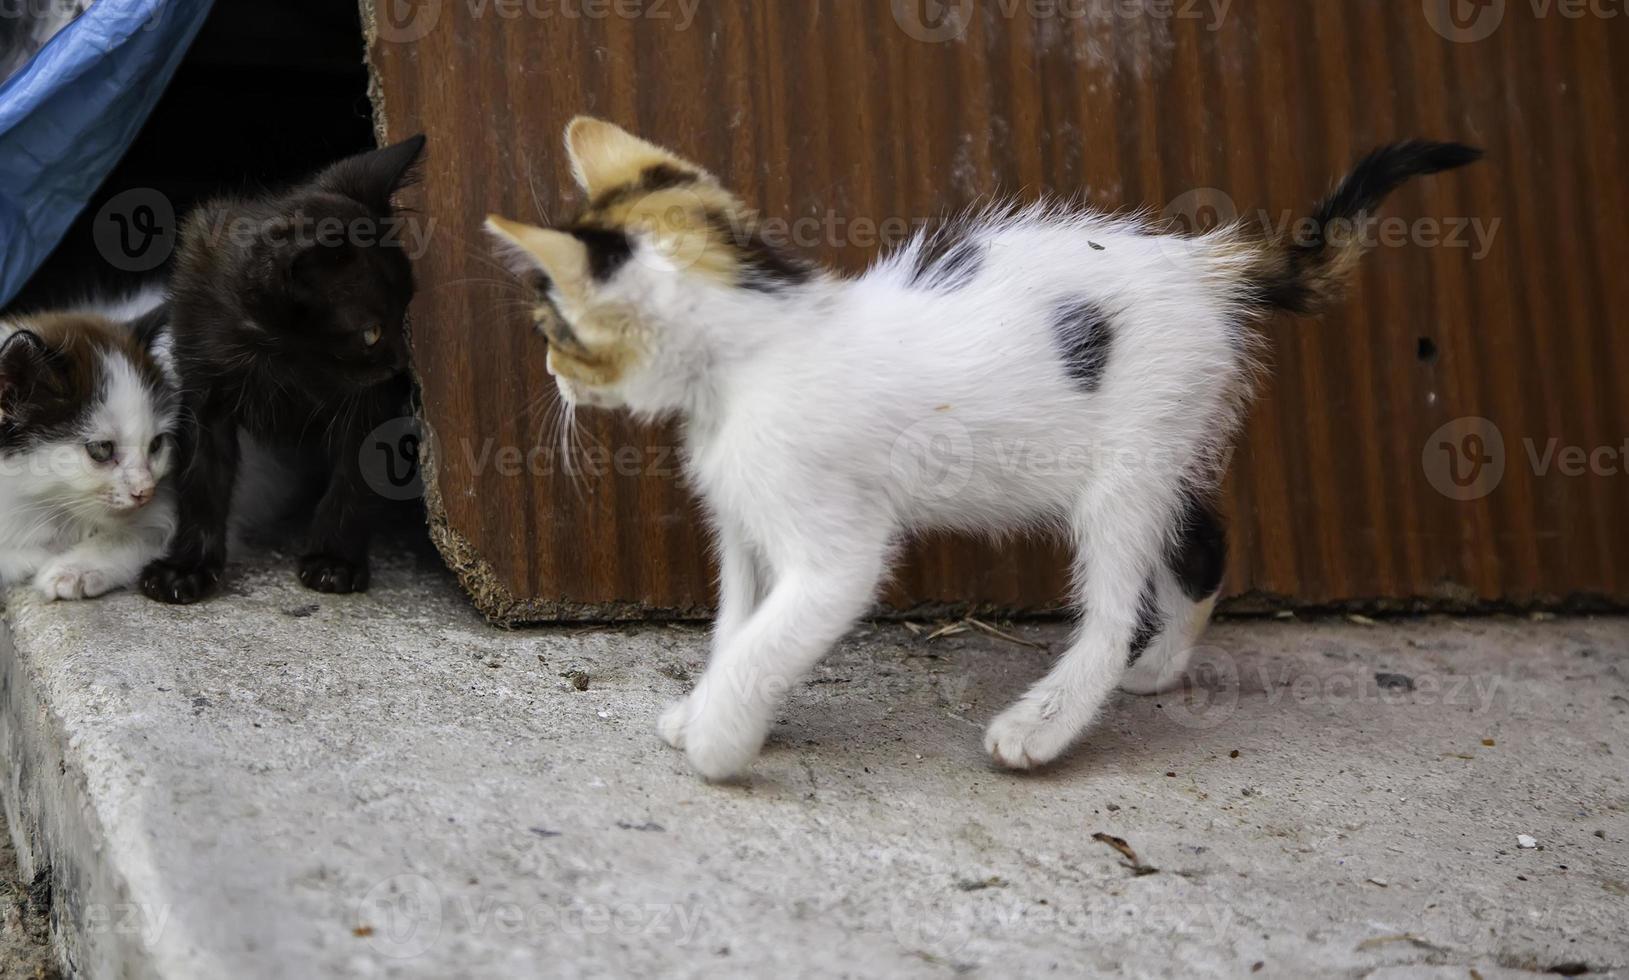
[288,785]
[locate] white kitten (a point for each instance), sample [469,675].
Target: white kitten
[1045,366]
[87,406]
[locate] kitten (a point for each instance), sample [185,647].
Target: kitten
[1039,366]
[87,409]
[288,322]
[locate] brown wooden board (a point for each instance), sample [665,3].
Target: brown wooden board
[857,118]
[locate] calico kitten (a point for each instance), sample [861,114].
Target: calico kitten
[1039,366]
[87,412]
[288,321]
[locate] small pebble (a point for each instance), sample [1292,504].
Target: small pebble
[1393,682]
[1526,842]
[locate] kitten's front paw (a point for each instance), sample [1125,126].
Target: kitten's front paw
[1025,737]
[330,573]
[179,585]
[672,723]
[721,740]
[66,581]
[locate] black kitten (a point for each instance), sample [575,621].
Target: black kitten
[287,318]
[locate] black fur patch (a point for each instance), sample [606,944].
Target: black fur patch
[1197,557]
[946,261]
[656,177]
[1200,554]
[608,250]
[765,268]
[662,176]
[151,324]
[1085,338]
[1148,622]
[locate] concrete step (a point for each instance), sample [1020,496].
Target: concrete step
[282,784]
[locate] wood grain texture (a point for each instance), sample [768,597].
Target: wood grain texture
[841,124]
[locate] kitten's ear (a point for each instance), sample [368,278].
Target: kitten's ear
[374,177]
[559,256]
[22,355]
[605,156]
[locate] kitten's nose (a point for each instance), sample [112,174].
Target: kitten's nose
[140,496]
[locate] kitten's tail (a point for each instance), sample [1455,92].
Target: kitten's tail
[1305,270]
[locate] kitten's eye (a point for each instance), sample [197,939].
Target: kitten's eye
[154,446]
[371,335]
[101,451]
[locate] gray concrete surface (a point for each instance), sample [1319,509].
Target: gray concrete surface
[282,784]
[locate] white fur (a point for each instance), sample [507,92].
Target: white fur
[825,423]
[80,527]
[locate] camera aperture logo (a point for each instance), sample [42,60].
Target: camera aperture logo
[405,21]
[934,457]
[1465,459]
[1208,693]
[135,231]
[1193,213]
[933,21]
[1464,21]
[391,457]
[401,916]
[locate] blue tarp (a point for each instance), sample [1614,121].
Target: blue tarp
[68,115]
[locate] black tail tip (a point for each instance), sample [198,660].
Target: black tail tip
[1429,157]
[1389,167]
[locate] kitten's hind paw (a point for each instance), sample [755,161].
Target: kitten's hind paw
[329,573]
[72,582]
[179,585]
